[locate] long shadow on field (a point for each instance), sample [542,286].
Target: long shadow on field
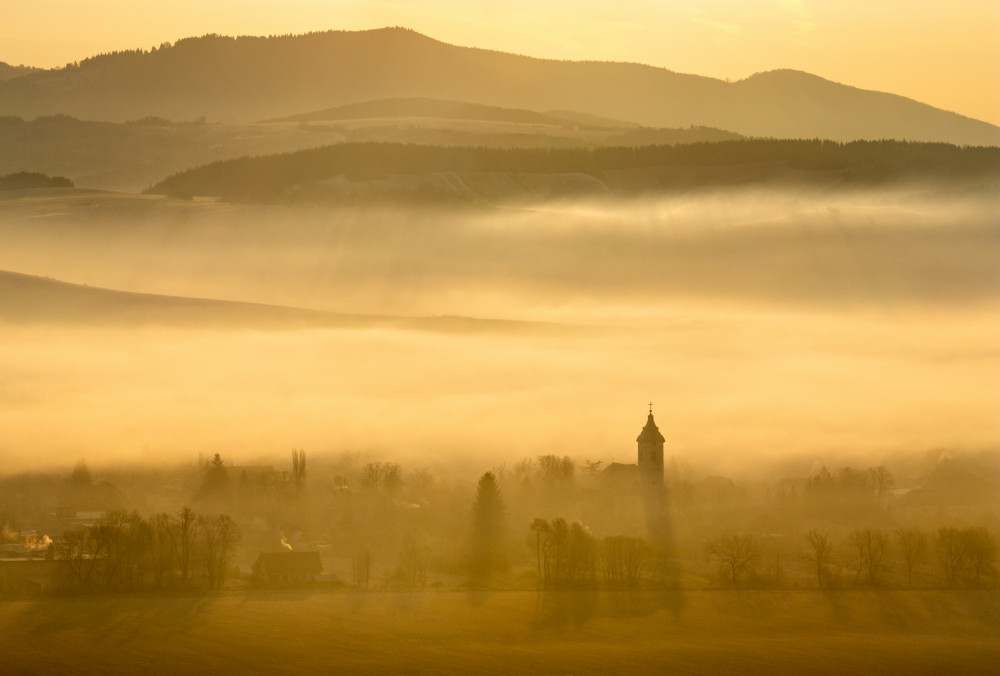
[561,609]
[117,619]
[666,570]
[271,595]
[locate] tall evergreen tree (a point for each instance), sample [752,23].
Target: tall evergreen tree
[489,528]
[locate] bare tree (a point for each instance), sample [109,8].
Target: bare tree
[184,536]
[558,549]
[83,552]
[392,477]
[980,550]
[161,547]
[877,548]
[413,562]
[219,537]
[951,554]
[543,532]
[382,475]
[622,560]
[524,470]
[821,552]
[124,536]
[735,554]
[372,475]
[555,470]
[635,551]
[912,543]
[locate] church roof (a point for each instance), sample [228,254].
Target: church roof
[650,433]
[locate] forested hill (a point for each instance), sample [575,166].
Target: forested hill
[255,78]
[424,107]
[9,72]
[368,170]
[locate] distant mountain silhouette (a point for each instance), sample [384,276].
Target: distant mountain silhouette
[424,107]
[9,72]
[29,299]
[255,78]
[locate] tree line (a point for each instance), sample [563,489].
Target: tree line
[964,557]
[859,163]
[125,551]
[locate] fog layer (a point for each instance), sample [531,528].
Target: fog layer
[760,325]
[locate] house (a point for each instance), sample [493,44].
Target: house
[286,568]
[23,576]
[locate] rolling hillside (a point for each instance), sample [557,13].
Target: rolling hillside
[40,300]
[133,155]
[254,78]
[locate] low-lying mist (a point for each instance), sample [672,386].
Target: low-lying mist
[761,325]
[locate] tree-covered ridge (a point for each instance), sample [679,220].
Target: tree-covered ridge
[620,170]
[9,71]
[29,179]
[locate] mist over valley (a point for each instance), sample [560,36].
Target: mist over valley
[361,351]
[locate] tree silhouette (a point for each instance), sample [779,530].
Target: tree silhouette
[821,551]
[489,526]
[184,540]
[735,554]
[543,532]
[81,475]
[912,543]
[382,475]
[871,547]
[219,537]
[299,468]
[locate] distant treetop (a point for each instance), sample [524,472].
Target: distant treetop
[24,180]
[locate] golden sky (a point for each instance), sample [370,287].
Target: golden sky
[946,54]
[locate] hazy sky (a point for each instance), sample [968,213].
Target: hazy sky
[946,54]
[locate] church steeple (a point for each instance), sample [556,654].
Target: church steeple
[650,453]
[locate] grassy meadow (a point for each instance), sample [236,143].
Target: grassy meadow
[695,632]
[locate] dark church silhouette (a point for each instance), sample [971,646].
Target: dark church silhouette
[648,471]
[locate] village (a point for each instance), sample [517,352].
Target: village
[549,522]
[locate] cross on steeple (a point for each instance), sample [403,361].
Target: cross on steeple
[651,408]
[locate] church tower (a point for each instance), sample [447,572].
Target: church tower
[650,454]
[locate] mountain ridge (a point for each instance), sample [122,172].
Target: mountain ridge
[252,78]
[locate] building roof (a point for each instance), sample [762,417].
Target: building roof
[650,433]
[289,563]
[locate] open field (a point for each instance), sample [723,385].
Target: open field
[706,632]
